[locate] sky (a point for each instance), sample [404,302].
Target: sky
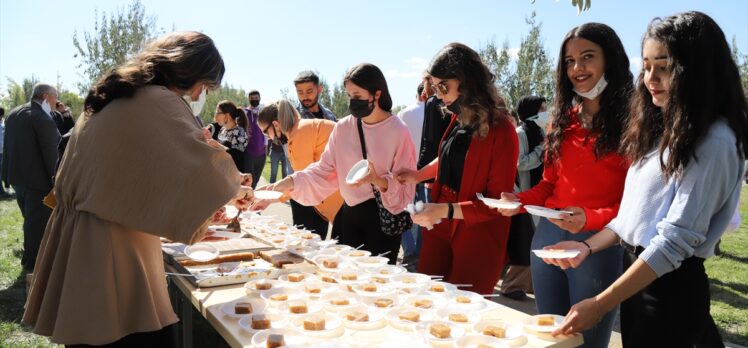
[264,44]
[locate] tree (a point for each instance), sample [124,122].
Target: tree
[114,39]
[226,92]
[530,74]
[19,93]
[741,60]
[71,100]
[339,101]
[581,5]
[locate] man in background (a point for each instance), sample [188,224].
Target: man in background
[30,155]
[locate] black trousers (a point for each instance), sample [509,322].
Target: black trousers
[254,165]
[360,225]
[35,217]
[165,337]
[309,218]
[672,311]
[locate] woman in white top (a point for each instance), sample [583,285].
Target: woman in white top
[686,140]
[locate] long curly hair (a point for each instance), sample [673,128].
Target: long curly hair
[481,105]
[177,61]
[607,125]
[704,87]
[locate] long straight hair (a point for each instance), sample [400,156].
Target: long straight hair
[704,87]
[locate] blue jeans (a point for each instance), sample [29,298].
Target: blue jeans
[557,290]
[277,158]
[412,240]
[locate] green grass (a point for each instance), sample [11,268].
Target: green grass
[728,273]
[13,281]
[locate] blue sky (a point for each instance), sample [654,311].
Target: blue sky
[265,43]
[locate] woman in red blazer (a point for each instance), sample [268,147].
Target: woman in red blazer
[478,154]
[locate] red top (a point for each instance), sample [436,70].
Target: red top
[579,179]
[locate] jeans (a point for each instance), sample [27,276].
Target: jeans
[557,290]
[412,240]
[35,217]
[277,158]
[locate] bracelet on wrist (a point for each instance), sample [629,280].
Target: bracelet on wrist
[588,247]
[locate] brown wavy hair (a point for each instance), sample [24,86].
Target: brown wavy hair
[614,101]
[177,60]
[481,105]
[704,87]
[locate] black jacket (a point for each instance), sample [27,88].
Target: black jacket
[30,148]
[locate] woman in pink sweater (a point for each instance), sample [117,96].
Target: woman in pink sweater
[389,151]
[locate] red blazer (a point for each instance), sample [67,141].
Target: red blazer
[490,168]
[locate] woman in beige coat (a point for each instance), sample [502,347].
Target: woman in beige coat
[137,168]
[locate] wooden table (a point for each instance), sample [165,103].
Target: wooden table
[208,302]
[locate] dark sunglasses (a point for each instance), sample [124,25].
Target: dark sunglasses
[441,87]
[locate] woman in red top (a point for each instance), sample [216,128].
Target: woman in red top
[478,154]
[584,173]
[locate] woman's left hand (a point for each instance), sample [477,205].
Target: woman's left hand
[371,177]
[574,222]
[581,316]
[431,215]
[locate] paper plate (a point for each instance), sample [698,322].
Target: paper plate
[258,306]
[498,203]
[201,252]
[332,324]
[276,322]
[376,318]
[456,331]
[290,337]
[545,212]
[531,323]
[513,331]
[556,254]
[357,172]
[268,195]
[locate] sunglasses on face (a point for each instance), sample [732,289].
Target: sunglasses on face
[441,87]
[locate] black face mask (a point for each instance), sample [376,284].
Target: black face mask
[282,139]
[455,106]
[360,108]
[254,103]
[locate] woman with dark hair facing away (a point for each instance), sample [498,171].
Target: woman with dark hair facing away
[99,277]
[583,171]
[478,154]
[686,139]
[306,140]
[233,134]
[389,150]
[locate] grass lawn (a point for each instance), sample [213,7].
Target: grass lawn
[728,273]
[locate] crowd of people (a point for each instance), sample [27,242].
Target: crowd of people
[647,171]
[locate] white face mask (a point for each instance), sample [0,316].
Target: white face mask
[197,106]
[46,107]
[595,91]
[541,119]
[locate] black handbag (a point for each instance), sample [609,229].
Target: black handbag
[391,224]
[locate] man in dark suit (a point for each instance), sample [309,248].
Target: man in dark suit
[30,154]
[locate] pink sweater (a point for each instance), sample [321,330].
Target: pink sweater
[389,148]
